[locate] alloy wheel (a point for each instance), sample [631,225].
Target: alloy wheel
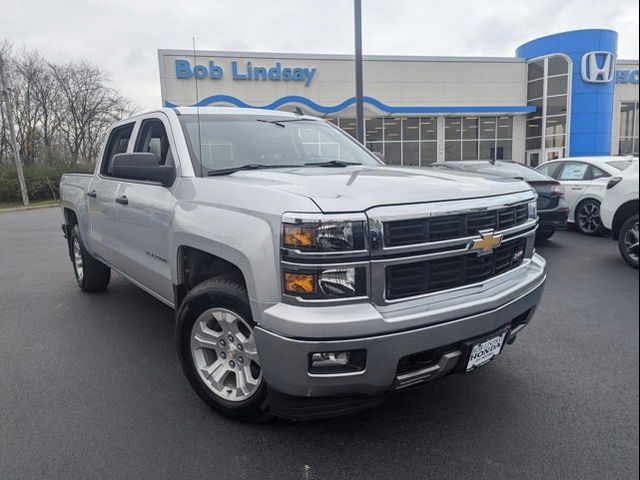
[77,259]
[589,218]
[224,352]
[631,242]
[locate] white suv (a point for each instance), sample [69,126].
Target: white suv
[619,212]
[584,180]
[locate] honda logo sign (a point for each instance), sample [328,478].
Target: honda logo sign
[598,67]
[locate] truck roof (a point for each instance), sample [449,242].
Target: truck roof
[223,111]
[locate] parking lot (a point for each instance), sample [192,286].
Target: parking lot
[90,387]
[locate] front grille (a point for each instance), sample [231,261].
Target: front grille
[423,230]
[427,276]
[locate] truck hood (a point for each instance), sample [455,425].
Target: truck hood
[360,188]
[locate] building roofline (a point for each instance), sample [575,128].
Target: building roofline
[324,56]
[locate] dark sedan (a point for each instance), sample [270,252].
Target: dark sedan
[552,207]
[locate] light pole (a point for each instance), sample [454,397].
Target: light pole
[357,16]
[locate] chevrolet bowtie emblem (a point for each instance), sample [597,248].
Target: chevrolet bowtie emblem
[487,243]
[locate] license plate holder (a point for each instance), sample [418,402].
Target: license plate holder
[485,350]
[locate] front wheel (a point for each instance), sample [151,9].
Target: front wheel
[217,350]
[588,218]
[628,241]
[543,235]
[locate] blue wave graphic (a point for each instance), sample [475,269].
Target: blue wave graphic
[351,101]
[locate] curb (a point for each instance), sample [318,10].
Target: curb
[25,209]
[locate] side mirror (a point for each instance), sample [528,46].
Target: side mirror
[142,166]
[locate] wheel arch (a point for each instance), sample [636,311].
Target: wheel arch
[624,211]
[582,200]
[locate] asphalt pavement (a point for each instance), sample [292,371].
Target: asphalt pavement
[90,387]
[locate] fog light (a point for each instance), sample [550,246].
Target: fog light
[337,362]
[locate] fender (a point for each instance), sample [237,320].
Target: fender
[242,239]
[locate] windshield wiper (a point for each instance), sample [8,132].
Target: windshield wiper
[250,166]
[333,163]
[281,122]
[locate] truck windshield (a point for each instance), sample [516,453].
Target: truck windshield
[223,143]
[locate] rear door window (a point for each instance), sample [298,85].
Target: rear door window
[575,171]
[152,138]
[118,143]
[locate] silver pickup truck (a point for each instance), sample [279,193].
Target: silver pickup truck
[308,278]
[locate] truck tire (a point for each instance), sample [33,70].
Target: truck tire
[628,241]
[544,235]
[216,347]
[91,274]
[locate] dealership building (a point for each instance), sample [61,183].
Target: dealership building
[561,95]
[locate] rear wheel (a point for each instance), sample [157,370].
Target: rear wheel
[91,274]
[217,350]
[588,217]
[628,241]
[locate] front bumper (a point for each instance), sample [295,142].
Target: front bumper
[285,359]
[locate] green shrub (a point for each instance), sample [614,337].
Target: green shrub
[43,181]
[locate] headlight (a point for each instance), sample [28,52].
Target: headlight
[533,210]
[324,236]
[317,283]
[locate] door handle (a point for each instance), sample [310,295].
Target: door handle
[123,200]
[92,194]
[576,188]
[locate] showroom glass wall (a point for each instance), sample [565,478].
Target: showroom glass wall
[478,138]
[547,91]
[628,142]
[413,141]
[409,141]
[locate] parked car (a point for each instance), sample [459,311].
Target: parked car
[308,278]
[585,182]
[620,213]
[552,207]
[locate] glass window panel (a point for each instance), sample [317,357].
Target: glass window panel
[428,153]
[332,120]
[536,70]
[557,106]
[534,127]
[470,128]
[392,155]
[452,128]
[374,129]
[625,146]
[557,66]
[538,105]
[574,171]
[375,147]
[535,89]
[410,129]
[534,143]
[556,125]
[487,128]
[598,173]
[557,86]
[487,148]
[504,150]
[348,125]
[627,112]
[452,150]
[505,127]
[470,150]
[428,128]
[410,154]
[554,141]
[392,129]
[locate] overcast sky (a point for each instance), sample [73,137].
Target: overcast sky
[123,36]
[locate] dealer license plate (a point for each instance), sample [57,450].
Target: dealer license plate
[484,351]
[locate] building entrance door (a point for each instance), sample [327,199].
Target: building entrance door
[533,158]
